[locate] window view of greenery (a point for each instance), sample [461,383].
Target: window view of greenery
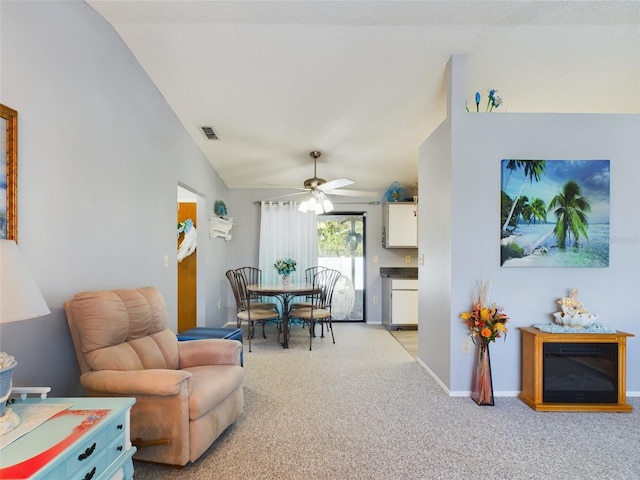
[339,238]
[341,246]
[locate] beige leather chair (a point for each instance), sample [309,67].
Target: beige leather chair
[187,393]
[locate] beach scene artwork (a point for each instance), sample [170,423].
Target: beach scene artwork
[554,213]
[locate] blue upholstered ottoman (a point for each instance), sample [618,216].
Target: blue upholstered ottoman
[219,332]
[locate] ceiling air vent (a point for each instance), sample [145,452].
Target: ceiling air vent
[209,133]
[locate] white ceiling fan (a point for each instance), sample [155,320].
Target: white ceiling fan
[332,187]
[317,189]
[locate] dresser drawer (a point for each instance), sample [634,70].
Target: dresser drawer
[82,456]
[92,468]
[116,448]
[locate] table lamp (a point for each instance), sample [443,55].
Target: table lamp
[20,299]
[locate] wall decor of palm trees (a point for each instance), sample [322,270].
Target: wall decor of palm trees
[554,213]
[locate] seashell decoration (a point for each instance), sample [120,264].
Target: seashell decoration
[573,313]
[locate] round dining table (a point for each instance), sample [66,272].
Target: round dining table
[284,293]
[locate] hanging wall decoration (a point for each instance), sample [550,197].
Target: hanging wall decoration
[554,213]
[189,242]
[9,174]
[220,209]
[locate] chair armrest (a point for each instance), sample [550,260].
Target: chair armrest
[158,382]
[209,351]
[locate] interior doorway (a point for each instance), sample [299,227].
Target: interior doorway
[342,245]
[189,271]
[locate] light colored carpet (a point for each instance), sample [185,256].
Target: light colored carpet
[365,409]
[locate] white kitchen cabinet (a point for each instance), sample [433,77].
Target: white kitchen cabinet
[399,303]
[400,225]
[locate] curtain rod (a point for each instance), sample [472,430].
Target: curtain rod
[375,202]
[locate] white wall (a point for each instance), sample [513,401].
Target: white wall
[100,157]
[478,144]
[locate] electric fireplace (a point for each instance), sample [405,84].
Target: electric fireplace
[574,371]
[580,373]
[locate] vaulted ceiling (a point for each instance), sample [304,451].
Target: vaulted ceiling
[363,81]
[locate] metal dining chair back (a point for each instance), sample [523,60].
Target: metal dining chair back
[233,281]
[251,276]
[319,311]
[309,275]
[251,312]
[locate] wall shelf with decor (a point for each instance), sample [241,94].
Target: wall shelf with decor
[219,227]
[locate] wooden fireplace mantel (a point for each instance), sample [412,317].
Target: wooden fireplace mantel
[532,369]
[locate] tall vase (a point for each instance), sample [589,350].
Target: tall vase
[286,279]
[482,385]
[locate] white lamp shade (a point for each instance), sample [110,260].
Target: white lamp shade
[20,298]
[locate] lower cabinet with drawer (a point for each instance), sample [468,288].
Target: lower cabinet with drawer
[77,439]
[400,303]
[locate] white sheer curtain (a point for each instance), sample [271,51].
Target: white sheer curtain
[286,232]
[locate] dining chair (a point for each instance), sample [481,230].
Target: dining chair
[253,275]
[309,274]
[324,282]
[250,312]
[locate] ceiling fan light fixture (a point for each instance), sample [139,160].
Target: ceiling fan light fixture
[311,203]
[328,206]
[317,203]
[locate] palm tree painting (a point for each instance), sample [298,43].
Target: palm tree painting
[554,213]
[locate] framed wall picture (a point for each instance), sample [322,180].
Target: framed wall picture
[9,174]
[554,213]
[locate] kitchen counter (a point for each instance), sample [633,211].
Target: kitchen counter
[399,272]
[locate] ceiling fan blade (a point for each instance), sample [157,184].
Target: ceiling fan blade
[333,184]
[289,195]
[289,187]
[352,193]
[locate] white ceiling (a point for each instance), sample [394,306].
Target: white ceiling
[363,81]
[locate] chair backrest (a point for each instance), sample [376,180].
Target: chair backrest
[251,274]
[310,272]
[122,329]
[325,280]
[244,298]
[233,281]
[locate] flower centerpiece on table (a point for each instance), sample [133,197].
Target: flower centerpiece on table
[485,321]
[285,266]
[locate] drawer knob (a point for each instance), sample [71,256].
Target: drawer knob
[120,426]
[87,453]
[119,448]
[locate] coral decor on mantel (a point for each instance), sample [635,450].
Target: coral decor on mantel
[573,314]
[573,318]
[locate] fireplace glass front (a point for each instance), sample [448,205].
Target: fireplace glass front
[580,373]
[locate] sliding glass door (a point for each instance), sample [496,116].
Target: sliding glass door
[341,245]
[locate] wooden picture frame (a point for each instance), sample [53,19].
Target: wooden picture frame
[9,174]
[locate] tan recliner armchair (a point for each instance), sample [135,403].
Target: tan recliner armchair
[187,393]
